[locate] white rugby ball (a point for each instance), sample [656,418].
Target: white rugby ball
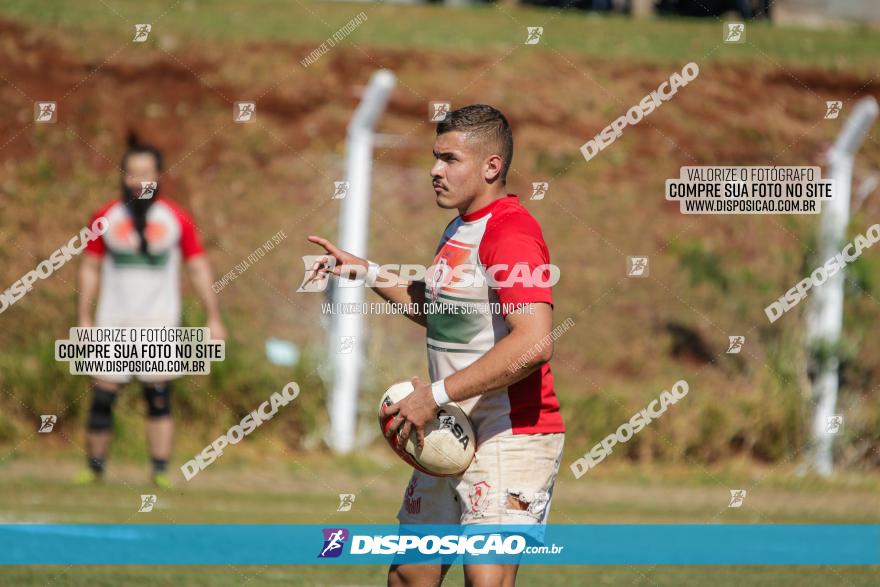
[450,441]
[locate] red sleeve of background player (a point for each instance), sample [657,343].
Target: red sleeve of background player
[190,243]
[512,239]
[97,247]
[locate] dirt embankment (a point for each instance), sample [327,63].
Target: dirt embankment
[245,182]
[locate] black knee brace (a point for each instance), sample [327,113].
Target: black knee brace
[101,414]
[158,398]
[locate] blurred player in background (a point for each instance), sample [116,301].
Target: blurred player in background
[495,365]
[135,266]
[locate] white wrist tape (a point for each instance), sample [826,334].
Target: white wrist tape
[372,274]
[438,390]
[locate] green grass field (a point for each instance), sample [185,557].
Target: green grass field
[303,489]
[349,576]
[435,27]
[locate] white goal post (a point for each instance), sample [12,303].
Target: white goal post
[345,332]
[825,312]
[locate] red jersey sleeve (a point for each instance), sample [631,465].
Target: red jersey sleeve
[97,247]
[514,240]
[190,243]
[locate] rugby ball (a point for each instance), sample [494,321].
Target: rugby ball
[450,441]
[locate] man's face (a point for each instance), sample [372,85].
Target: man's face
[139,167]
[457,174]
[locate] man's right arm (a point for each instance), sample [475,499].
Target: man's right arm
[410,295]
[88,280]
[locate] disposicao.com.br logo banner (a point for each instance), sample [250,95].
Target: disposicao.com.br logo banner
[569,544]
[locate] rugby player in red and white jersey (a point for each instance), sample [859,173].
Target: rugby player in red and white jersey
[495,365]
[136,266]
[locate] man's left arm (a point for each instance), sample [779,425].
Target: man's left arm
[522,351]
[201,276]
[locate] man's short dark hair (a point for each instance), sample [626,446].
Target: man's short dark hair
[488,125]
